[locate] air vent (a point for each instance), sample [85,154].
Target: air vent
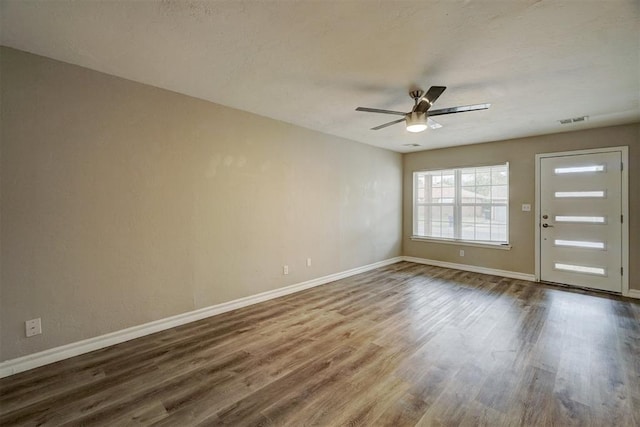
[411,145]
[574,120]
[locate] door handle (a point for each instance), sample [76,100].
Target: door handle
[546,225]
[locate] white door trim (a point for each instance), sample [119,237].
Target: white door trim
[625,206]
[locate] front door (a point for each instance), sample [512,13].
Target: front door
[581,220]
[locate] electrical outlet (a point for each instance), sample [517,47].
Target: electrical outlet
[526,207]
[461,252]
[308,262]
[285,269]
[33,327]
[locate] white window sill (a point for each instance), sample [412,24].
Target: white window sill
[501,246]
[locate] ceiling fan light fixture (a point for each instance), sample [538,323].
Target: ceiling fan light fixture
[416,122]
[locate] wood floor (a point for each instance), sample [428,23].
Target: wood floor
[403,345]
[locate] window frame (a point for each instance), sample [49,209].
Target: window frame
[457,208]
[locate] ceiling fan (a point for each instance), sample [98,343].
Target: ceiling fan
[420,116]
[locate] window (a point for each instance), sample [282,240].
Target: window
[467,204]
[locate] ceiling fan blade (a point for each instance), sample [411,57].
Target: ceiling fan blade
[377,110]
[428,98]
[433,93]
[388,124]
[460,109]
[433,124]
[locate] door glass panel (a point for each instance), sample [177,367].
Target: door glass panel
[579,169]
[580,269]
[563,194]
[585,219]
[579,244]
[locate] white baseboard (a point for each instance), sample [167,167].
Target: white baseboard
[472,268]
[633,293]
[46,357]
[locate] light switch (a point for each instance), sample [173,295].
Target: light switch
[526,207]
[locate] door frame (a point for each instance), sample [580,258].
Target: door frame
[624,150]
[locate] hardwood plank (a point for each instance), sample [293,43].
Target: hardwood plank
[407,410]
[477,415]
[451,405]
[246,411]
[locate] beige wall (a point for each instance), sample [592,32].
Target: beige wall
[123,203]
[520,153]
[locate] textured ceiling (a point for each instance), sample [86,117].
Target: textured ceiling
[311,63]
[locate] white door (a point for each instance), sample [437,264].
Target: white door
[581,220]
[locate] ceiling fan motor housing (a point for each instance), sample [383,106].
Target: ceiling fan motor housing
[416,121]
